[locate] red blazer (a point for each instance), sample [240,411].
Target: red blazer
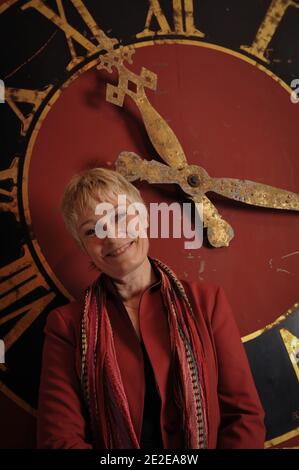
[235,414]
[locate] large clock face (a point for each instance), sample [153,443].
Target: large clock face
[232,115]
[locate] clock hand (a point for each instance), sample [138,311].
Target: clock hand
[160,134]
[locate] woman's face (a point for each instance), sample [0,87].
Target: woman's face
[114,255]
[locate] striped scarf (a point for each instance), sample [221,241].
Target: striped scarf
[101,382]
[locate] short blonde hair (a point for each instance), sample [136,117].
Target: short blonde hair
[98,184]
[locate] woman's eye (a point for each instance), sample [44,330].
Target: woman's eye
[89,232]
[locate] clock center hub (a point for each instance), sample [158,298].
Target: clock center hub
[193,180]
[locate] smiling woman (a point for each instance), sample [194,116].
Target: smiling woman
[144,360]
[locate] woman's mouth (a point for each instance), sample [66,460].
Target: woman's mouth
[119,251]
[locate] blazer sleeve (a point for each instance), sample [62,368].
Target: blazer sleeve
[242,415]
[60,420]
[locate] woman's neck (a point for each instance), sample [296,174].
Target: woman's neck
[131,286]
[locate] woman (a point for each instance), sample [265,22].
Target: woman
[144,360]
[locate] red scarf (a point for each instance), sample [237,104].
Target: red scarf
[104,394]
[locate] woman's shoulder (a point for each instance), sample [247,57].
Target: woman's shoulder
[66,318]
[72,311]
[207,287]
[202,295]
[200,289]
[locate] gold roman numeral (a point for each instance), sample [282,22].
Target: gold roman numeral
[33,97]
[10,173]
[183,18]
[291,343]
[18,279]
[274,15]
[72,35]
[31,311]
